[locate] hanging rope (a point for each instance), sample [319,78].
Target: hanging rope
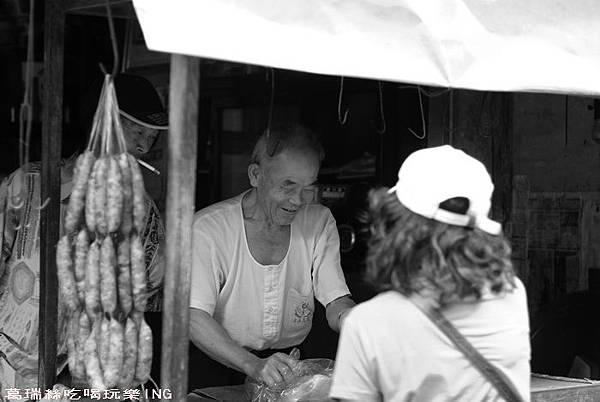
[271,105]
[381,115]
[113,39]
[26,109]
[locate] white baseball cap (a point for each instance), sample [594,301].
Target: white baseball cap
[430,176]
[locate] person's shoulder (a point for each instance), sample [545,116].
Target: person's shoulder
[519,287]
[218,213]
[31,168]
[314,216]
[14,181]
[518,292]
[513,290]
[316,210]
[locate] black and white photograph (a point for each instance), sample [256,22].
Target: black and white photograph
[301,200]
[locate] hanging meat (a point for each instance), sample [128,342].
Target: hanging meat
[101,260]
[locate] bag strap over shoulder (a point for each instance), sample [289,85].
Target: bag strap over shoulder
[497,378]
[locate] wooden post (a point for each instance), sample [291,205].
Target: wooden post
[50,190]
[182,152]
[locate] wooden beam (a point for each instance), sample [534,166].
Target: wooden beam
[50,189]
[182,153]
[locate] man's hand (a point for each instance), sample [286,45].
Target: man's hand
[274,369]
[212,339]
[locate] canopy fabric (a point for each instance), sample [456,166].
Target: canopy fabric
[504,45]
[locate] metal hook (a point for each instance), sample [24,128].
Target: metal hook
[422,136]
[341,119]
[383,125]
[44,205]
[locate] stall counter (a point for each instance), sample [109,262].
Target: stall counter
[544,388]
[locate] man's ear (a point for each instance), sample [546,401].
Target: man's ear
[254,174]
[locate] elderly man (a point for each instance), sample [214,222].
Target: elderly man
[259,260]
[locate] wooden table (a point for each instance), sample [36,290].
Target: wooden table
[230,393]
[545,388]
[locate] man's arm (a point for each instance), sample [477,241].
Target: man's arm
[337,310]
[210,337]
[328,278]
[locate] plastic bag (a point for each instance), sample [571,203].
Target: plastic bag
[310,381]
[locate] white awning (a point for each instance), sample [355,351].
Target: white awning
[504,45]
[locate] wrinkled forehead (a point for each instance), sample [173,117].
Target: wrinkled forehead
[297,164]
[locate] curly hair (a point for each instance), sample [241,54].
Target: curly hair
[410,253]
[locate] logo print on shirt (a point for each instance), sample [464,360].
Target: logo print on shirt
[303,312]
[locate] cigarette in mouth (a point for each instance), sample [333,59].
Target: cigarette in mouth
[148,166]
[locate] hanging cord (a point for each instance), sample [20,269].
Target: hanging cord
[381,115]
[422,136]
[107,122]
[342,120]
[113,134]
[479,117]
[26,110]
[107,133]
[271,105]
[95,137]
[116,121]
[566,121]
[113,39]
[102,68]
[112,120]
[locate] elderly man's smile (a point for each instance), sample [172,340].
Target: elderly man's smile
[290,211]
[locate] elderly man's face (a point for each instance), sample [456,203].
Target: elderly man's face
[285,183]
[139,139]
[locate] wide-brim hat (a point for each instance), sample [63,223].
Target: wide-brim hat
[139,101]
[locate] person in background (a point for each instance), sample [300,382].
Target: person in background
[142,117]
[259,259]
[432,245]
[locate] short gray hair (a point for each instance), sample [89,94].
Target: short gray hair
[285,137]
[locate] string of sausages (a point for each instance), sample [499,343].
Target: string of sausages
[101,261]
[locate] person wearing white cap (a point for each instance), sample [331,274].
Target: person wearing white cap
[441,265]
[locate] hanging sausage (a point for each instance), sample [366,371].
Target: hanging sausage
[101,261]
